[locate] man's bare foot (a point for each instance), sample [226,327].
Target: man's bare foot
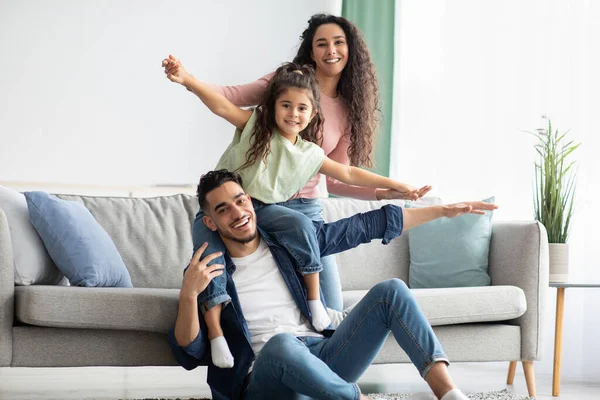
[363,397]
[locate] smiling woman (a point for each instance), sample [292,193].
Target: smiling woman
[345,71]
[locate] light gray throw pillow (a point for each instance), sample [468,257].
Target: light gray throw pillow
[33,265]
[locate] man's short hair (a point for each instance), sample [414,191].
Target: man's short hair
[212,180]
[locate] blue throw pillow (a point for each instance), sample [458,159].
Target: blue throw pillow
[77,244]
[450,252]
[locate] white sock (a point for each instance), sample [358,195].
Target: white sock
[335,316]
[221,356]
[319,315]
[338,316]
[455,394]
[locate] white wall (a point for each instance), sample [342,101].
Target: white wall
[83,98]
[470,75]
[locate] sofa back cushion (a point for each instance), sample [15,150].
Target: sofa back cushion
[33,265]
[369,264]
[152,235]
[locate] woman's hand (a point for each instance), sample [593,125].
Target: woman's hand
[403,192]
[175,70]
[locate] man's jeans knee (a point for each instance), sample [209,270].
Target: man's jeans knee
[286,367]
[388,306]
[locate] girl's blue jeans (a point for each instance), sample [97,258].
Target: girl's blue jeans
[329,277]
[296,368]
[291,224]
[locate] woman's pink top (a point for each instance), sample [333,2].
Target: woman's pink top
[335,142]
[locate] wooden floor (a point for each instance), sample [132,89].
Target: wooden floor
[174,382]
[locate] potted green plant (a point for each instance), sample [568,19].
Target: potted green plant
[554,194]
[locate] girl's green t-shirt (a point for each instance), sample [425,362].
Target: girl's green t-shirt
[287,169]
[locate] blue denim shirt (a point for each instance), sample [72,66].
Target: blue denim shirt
[226,383]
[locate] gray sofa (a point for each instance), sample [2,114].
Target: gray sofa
[61,326]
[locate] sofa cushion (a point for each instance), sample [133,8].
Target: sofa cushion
[33,265]
[450,306]
[155,310]
[138,309]
[153,235]
[450,252]
[78,245]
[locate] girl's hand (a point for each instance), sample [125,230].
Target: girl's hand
[174,70]
[403,192]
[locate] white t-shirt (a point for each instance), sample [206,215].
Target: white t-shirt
[266,300]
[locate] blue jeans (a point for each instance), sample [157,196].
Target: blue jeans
[329,277]
[291,228]
[288,367]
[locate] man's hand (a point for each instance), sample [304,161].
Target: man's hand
[416,216]
[469,207]
[198,275]
[175,70]
[403,192]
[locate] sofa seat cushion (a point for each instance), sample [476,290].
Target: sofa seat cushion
[451,306]
[138,309]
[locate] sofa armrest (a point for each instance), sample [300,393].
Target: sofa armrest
[519,257]
[7,292]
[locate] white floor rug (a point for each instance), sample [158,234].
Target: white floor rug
[499,395]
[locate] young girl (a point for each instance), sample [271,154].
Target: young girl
[275,149]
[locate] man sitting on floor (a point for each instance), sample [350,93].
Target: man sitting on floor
[267,324]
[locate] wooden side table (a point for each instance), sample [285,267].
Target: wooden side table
[560,302]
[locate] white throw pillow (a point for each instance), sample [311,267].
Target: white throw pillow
[33,265]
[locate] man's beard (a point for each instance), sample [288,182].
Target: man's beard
[242,240]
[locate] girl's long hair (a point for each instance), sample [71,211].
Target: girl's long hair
[289,75]
[358,86]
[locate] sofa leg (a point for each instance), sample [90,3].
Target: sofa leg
[529,377]
[512,367]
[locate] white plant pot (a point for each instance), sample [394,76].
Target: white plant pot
[559,262]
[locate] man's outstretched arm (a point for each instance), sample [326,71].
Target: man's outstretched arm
[186,339]
[417,216]
[387,223]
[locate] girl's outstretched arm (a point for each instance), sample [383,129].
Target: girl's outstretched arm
[357,176]
[215,102]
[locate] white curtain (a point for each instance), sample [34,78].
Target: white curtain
[470,75]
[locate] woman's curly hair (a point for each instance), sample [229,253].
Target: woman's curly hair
[289,75]
[358,86]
